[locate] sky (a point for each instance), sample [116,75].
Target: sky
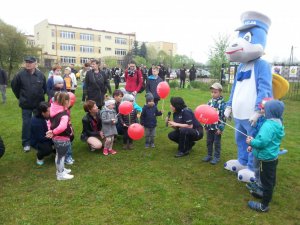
[192,25]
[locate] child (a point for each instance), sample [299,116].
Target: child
[58,85]
[152,82]
[148,120]
[214,131]
[118,95]
[126,121]
[70,79]
[38,130]
[109,120]
[265,148]
[61,132]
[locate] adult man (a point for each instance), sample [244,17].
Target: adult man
[29,86]
[3,84]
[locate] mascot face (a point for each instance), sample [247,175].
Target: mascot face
[251,40]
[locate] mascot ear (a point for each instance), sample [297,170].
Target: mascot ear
[280,86]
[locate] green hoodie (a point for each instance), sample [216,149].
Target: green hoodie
[267,142]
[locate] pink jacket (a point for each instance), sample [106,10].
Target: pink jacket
[63,124]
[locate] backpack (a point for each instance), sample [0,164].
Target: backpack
[55,122]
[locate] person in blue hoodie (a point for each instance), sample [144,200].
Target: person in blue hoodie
[152,82]
[148,120]
[265,148]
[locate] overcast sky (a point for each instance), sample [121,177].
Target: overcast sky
[193,25]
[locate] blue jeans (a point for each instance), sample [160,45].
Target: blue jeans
[69,153]
[26,117]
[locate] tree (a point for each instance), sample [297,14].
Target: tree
[217,55]
[110,61]
[143,50]
[135,49]
[139,60]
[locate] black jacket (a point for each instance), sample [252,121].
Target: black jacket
[29,88]
[3,77]
[148,117]
[38,131]
[87,126]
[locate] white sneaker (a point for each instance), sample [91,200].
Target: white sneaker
[64,176]
[69,162]
[67,171]
[40,162]
[26,148]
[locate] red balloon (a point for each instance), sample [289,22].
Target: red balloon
[72,98]
[136,131]
[206,114]
[163,89]
[125,107]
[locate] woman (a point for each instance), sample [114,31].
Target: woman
[38,139]
[187,129]
[91,126]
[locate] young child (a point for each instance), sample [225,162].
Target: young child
[126,121]
[148,120]
[265,148]
[61,132]
[152,82]
[214,131]
[109,120]
[118,95]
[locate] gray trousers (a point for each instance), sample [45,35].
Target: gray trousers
[61,151]
[149,135]
[3,92]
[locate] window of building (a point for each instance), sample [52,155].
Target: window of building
[107,37]
[121,41]
[53,33]
[86,49]
[67,59]
[107,49]
[86,37]
[120,62]
[99,38]
[53,45]
[84,60]
[67,35]
[119,51]
[37,36]
[99,50]
[67,47]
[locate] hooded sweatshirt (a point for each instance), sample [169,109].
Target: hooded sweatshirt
[55,108]
[266,144]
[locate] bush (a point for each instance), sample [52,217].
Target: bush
[173,84]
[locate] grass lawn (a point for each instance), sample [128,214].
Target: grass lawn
[141,186]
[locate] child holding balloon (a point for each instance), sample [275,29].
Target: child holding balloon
[214,131]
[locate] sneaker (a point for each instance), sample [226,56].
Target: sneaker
[258,206]
[40,162]
[105,151]
[111,151]
[65,171]
[64,176]
[257,194]
[253,186]
[181,154]
[214,161]
[207,158]
[152,145]
[69,161]
[147,145]
[26,148]
[130,146]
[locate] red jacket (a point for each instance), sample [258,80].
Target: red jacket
[135,82]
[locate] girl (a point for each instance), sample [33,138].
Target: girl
[109,120]
[61,132]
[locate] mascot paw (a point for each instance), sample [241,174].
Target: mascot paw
[234,165]
[246,175]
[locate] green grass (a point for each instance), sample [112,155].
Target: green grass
[141,186]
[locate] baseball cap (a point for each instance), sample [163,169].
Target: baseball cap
[30,59]
[216,86]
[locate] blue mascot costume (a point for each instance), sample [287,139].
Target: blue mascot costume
[253,83]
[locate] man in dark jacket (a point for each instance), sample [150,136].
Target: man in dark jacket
[29,86]
[3,84]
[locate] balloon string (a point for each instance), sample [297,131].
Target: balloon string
[162,108]
[234,128]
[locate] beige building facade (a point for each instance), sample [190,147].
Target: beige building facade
[65,44]
[168,47]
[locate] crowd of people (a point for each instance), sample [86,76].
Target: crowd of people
[47,126]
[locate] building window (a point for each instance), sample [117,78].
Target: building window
[120,62]
[67,35]
[107,37]
[87,37]
[107,49]
[121,41]
[37,36]
[99,38]
[99,50]
[119,51]
[67,47]
[84,60]
[53,33]
[67,59]
[53,46]
[86,49]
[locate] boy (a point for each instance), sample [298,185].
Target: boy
[148,120]
[265,148]
[214,131]
[152,82]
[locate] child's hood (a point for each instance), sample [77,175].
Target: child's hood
[55,109]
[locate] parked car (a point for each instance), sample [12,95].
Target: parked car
[201,73]
[173,75]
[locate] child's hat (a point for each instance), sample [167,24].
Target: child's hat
[109,102]
[216,86]
[128,97]
[274,109]
[57,80]
[149,97]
